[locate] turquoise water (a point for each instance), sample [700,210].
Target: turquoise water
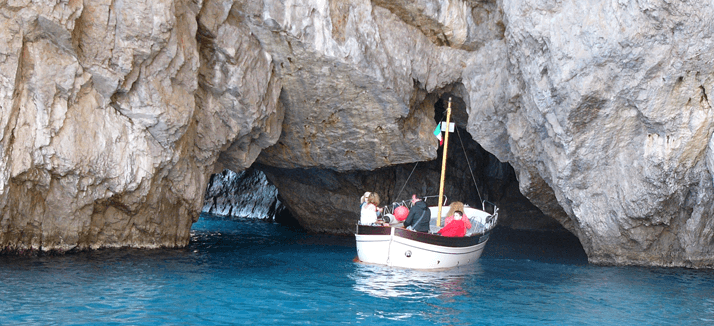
[238,271]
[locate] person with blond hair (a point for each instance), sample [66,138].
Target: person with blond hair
[363,199]
[369,209]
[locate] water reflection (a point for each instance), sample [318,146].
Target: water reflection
[387,282]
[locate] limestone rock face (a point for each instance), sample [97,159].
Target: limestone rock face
[614,116]
[102,140]
[114,114]
[87,144]
[244,194]
[238,90]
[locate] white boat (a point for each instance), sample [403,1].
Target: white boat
[399,247]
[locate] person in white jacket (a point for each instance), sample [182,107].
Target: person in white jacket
[369,209]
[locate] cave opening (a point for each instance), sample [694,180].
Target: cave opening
[246,194]
[474,175]
[326,201]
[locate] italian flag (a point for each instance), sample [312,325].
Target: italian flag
[437,133]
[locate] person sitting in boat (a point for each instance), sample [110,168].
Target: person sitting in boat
[419,216]
[457,206]
[455,228]
[368,213]
[363,199]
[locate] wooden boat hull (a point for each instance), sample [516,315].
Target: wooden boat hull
[399,247]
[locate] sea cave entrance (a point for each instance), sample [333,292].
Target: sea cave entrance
[245,194]
[469,164]
[326,201]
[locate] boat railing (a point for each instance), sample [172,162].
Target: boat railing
[426,200]
[492,210]
[389,209]
[489,207]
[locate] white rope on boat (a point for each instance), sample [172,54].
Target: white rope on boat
[405,182]
[471,171]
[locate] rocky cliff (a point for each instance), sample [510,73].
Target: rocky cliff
[114,114]
[245,194]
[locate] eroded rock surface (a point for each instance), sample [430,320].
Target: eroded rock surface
[104,138]
[114,114]
[244,194]
[615,118]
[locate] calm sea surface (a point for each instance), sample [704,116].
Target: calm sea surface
[238,271]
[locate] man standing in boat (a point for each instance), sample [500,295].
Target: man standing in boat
[419,216]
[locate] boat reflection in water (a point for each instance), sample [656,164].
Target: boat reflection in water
[385,282]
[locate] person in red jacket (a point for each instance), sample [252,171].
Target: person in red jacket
[455,228]
[457,206]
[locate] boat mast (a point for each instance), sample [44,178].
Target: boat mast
[443,162]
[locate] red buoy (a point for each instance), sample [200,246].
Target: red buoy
[401,213]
